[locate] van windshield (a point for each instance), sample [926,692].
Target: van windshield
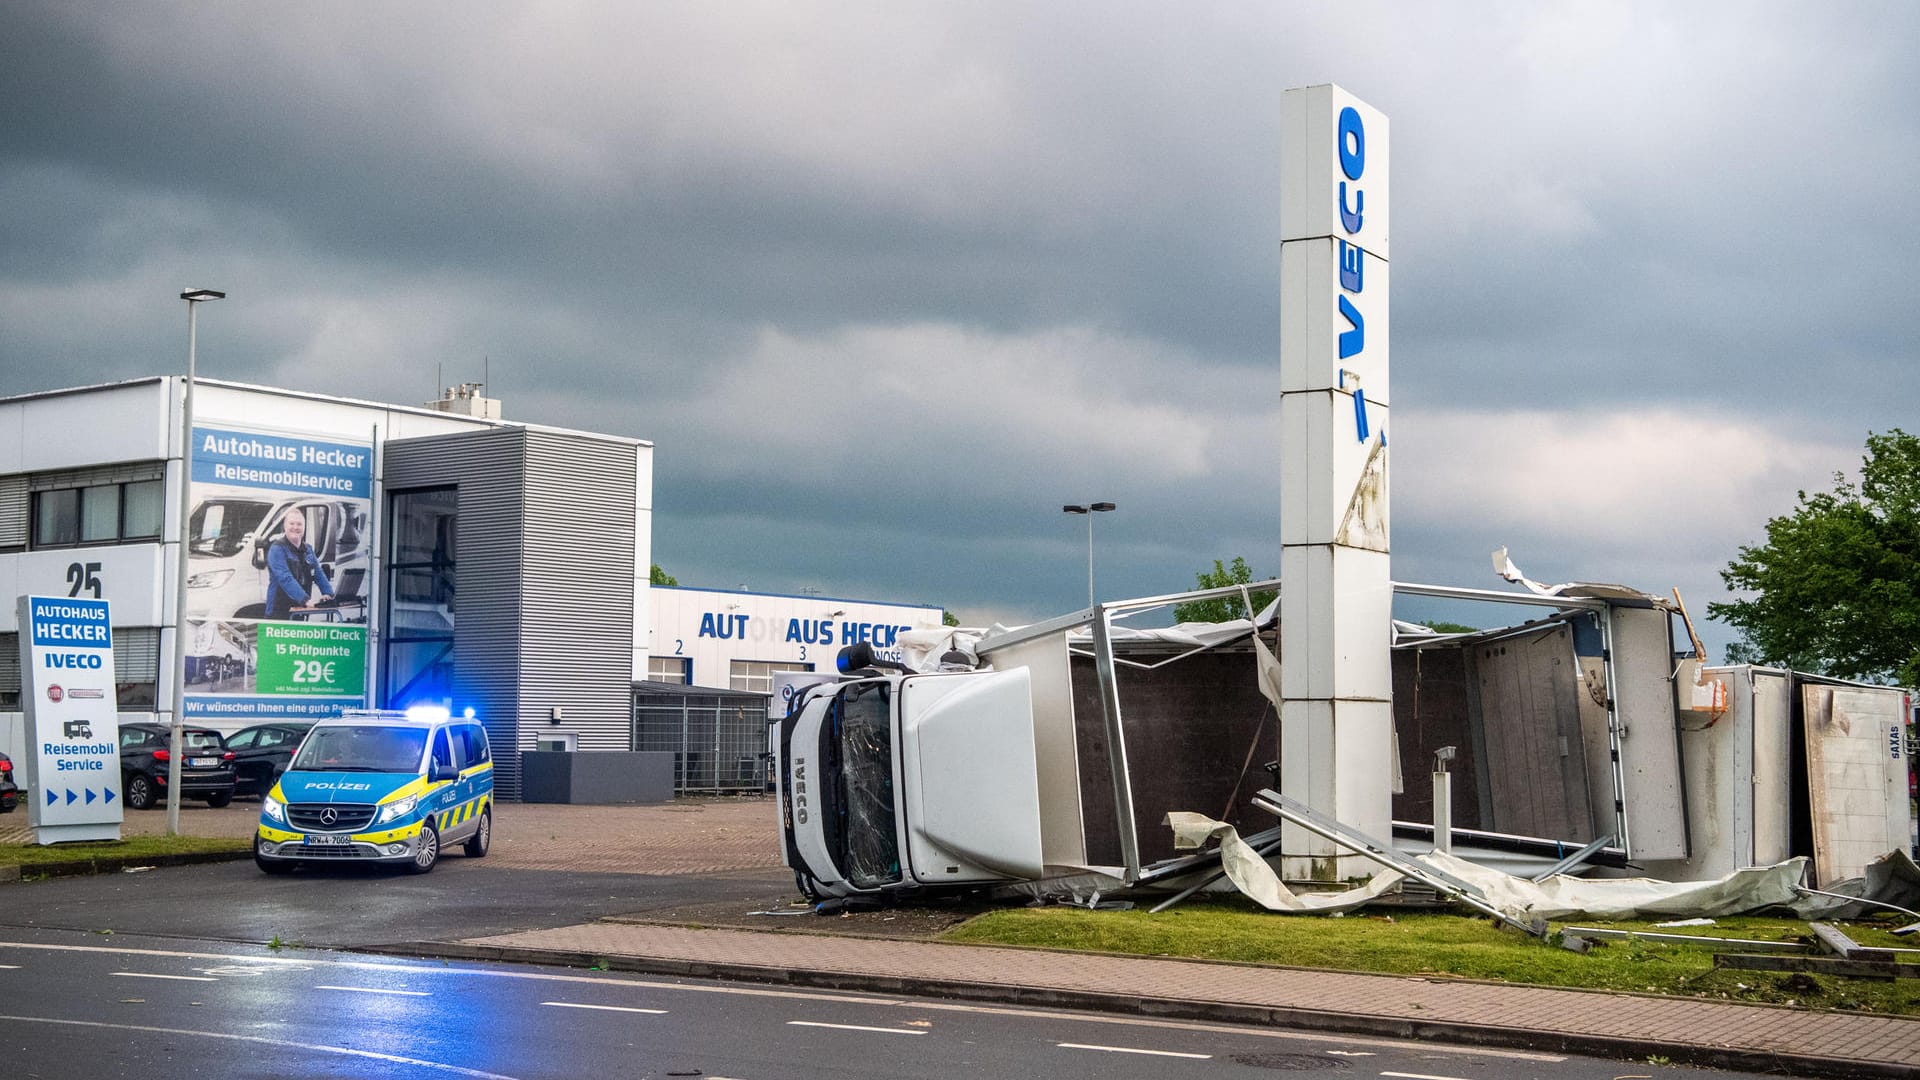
[218,526]
[369,748]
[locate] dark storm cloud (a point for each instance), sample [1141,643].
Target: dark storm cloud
[888,283]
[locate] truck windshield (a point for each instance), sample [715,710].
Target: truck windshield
[361,749]
[858,747]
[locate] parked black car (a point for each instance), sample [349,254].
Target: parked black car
[206,773]
[9,791]
[261,754]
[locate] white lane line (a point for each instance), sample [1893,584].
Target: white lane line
[1132,1050]
[375,990]
[9,967]
[603,1008]
[176,978]
[308,959]
[1422,1076]
[287,1043]
[853,1027]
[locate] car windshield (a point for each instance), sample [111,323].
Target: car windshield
[218,526]
[368,748]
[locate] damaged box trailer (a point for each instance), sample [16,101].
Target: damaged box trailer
[1060,749]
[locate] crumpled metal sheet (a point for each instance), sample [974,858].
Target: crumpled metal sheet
[1556,898]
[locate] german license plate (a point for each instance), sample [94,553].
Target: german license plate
[324,840]
[203,762]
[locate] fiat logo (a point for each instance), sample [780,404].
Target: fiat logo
[54,693]
[329,816]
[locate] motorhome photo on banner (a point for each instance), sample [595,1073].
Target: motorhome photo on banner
[277,574]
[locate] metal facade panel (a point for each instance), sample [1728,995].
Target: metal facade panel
[488,469]
[1642,657]
[1772,767]
[1536,767]
[578,588]
[1856,775]
[15,508]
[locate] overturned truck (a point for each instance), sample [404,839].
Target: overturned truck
[1579,738]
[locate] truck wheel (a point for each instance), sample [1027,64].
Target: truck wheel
[482,837]
[139,791]
[428,852]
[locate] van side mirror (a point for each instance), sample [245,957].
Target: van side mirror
[441,772]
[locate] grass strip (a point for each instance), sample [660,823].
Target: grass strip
[1445,945]
[135,847]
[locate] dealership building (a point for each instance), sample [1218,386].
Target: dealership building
[463,560]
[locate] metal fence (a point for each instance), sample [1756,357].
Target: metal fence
[718,737]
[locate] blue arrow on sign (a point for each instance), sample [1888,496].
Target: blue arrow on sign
[89,796]
[106,795]
[52,797]
[71,796]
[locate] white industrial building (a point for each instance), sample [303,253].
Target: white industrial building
[472,562]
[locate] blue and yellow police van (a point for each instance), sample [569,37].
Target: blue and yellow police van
[380,786]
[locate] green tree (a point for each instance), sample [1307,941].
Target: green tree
[948,618]
[1225,608]
[1836,587]
[658,576]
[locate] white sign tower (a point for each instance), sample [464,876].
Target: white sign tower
[1336,598]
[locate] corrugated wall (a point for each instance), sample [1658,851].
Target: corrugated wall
[577,599]
[488,468]
[544,565]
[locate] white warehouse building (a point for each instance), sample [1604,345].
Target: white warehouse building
[464,561]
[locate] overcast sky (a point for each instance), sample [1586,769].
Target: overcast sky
[888,283]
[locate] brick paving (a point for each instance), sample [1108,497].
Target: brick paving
[687,836]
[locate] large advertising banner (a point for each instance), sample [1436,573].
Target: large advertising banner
[277,587]
[72,715]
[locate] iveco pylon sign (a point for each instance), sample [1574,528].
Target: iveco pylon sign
[67,692]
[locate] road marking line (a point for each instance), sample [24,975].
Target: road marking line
[850,999]
[9,967]
[1132,1050]
[853,1027]
[376,990]
[603,1008]
[176,978]
[321,1047]
[1422,1076]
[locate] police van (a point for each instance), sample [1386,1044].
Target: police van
[380,786]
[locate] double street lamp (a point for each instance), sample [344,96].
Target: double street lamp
[1089,510]
[194,298]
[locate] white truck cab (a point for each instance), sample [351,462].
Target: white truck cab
[884,788]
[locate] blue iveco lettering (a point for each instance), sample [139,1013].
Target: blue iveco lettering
[1350,141]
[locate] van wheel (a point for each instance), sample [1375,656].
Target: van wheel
[428,852]
[482,837]
[266,865]
[139,792]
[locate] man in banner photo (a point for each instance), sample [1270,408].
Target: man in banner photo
[293,569]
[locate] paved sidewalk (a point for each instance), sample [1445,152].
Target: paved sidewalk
[1696,1032]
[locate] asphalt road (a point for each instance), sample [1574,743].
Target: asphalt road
[79,1005]
[351,906]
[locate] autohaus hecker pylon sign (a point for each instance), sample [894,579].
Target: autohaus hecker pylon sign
[67,691]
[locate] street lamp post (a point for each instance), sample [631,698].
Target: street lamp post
[1089,510]
[194,298]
